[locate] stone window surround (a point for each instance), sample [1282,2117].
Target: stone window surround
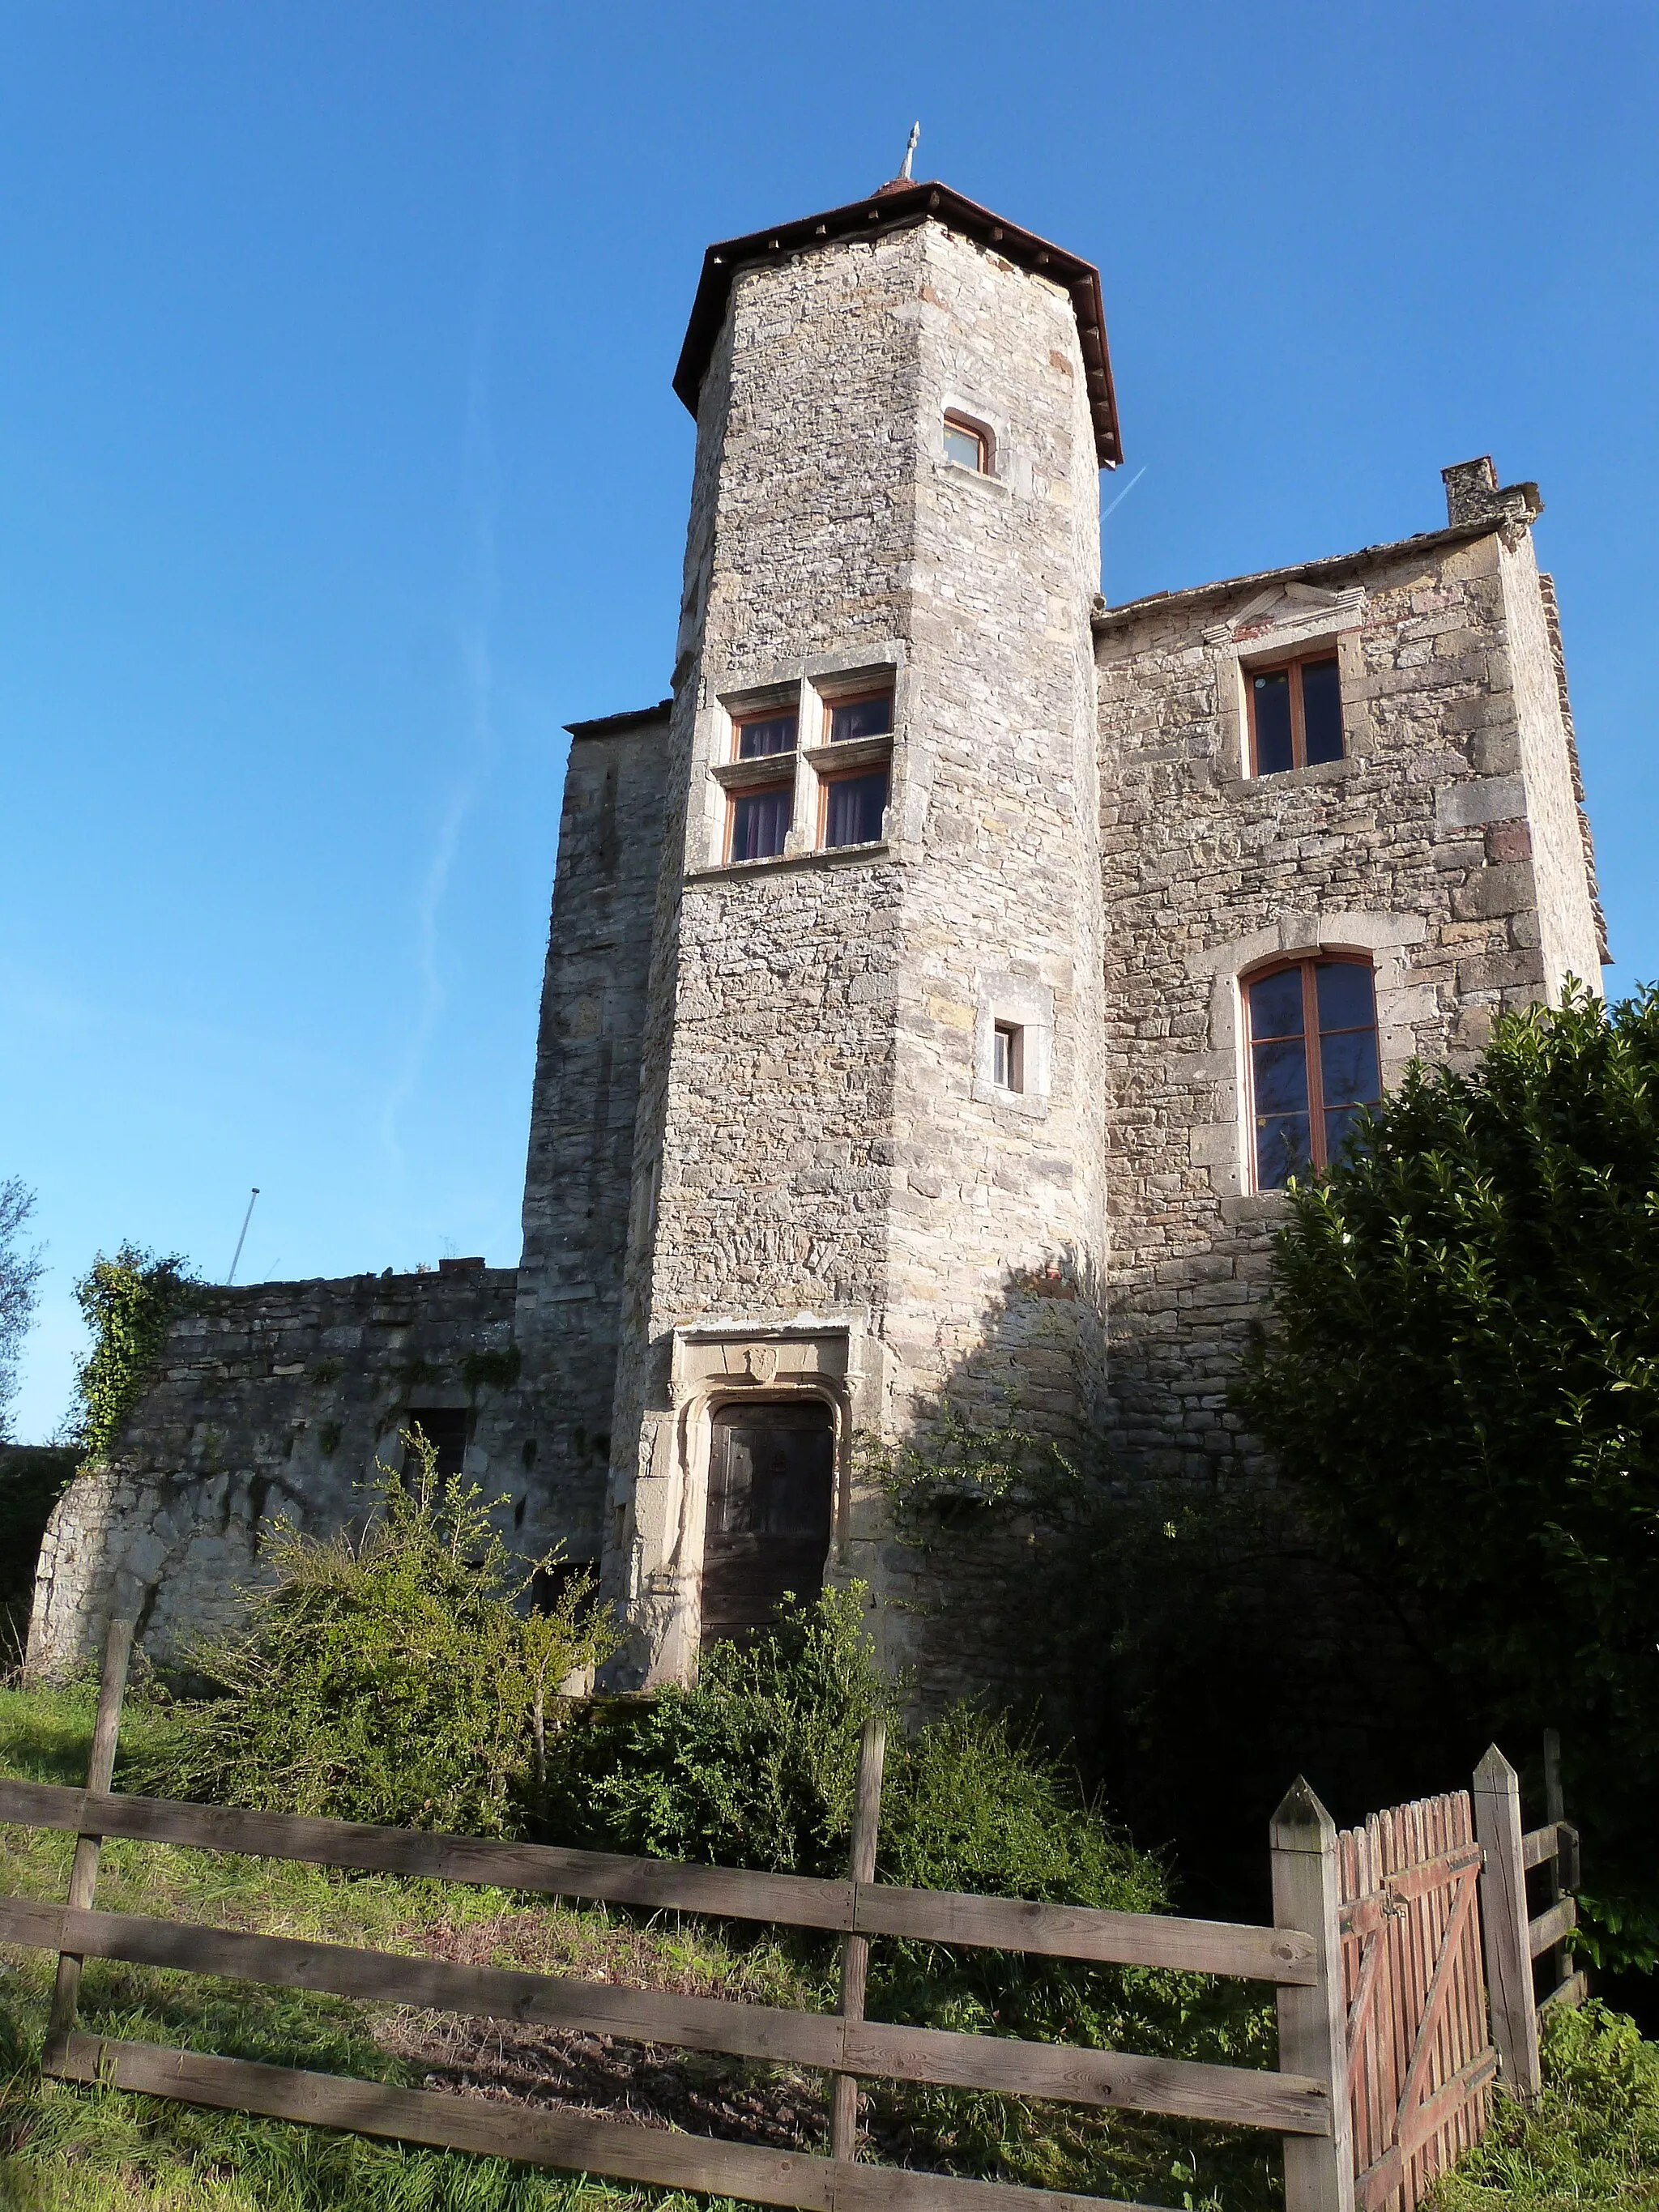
[717,1363]
[1317,619]
[991,425]
[1022,1003]
[809,681]
[1223,1144]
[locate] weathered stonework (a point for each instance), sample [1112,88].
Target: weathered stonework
[274,1399]
[771,1156]
[1447,846]
[824,1152]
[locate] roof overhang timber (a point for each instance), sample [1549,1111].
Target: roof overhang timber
[898,208]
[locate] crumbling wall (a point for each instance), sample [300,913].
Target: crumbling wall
[274,1400]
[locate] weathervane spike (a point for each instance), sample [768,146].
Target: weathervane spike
[910,151]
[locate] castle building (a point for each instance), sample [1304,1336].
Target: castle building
[943,982]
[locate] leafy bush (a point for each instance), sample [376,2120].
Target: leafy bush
[1463,1378]
[1592,2138]
[755,1766]
[394,1678]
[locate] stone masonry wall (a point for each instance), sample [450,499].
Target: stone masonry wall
[577,1181]
[1447,847]
[274,1400]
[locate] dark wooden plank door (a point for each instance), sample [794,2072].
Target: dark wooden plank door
[771,1488]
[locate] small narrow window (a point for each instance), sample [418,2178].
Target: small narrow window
[760,822]
[444,1428]
[968,444]
[853,808]
[1296,715]
[1314,1063]
[1007,1056]
[761,734]
[868,716]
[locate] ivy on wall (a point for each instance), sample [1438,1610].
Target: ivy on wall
[127,1302]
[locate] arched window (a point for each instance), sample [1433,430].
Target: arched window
[1312,1029]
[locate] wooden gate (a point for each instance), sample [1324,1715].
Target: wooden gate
[1420,2063]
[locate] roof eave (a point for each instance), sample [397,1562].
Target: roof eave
[896,210]
[1157,603]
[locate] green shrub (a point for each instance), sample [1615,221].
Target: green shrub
[1463,1378]
[755,1766]
[1592,2138]
[395,1677]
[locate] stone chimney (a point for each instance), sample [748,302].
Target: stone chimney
[1473,494]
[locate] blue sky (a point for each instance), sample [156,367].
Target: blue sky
[339,467]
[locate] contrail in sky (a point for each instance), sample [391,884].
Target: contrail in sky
[475,604]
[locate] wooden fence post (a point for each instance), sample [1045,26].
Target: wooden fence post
[84,1873]
[1313,2020]
[1564,1878]
[1503,1914]
[855,1949]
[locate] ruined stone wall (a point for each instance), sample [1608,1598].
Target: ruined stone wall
[1442,847]
[831,1164]
[578,1180]
[274,1400]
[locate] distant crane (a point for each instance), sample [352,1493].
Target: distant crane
[242,1239]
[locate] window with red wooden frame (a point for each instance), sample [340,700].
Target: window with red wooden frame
[758,822]
[1312,1027]
[1296,713]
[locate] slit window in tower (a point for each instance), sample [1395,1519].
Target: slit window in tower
[868,716]
[759,735]
[967,443]
[853,808]
[1313,1064]
[1296,715]
[760,822]
[1008,1057]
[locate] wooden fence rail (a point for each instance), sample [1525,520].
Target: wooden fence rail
[1297,2105]
[1385,2065]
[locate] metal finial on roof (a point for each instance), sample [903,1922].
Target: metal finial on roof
[910,151]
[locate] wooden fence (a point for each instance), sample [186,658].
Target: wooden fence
[1374,1953]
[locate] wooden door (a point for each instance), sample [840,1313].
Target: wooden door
[771,1489]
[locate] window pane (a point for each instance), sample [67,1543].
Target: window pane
[1347,1067]
[760,822]
[861,718]
[1276,1005]
[854,808]
[1281,1149]
[1347,1001]
[1281,1077]
[1272,696]
[1341,1131]
[1321,710]
[775,734]
[964,446]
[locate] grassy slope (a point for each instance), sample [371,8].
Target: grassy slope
[92,2151]
[1594,2141]
[61,2145]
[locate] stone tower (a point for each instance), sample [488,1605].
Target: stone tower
[869,1148]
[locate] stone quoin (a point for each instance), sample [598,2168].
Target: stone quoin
[941,982]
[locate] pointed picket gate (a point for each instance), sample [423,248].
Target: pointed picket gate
[1420,2063]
